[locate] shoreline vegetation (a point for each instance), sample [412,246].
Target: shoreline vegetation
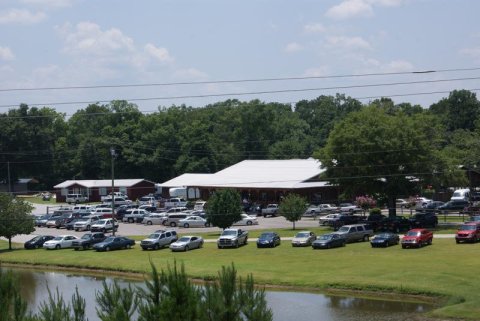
[435,275]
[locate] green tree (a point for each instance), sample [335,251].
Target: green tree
[372,151]
[15,217]
[224,208]
[292,208]
[12,306]
[116,303]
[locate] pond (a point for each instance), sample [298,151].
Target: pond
[286,306]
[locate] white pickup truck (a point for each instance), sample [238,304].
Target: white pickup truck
[108,198]
[175,202]
[271,209]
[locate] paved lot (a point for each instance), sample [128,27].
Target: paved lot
[139,229]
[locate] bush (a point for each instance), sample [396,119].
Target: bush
[375,211]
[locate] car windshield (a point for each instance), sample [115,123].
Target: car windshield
[101,222]
[153,236]
[86,237]
[109,239]
[83,219]
[302,234]
[343,229]
[266,235]
[468,228]
[58,238]
[229,232]
[325,237]
[383,235]
[413,233]
[184,239]
[36,238]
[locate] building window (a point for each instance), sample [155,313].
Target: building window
[102,191]
[123,190]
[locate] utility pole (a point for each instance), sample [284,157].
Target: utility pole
[8,180]
[112,153]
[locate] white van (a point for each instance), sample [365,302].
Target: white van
[461,194]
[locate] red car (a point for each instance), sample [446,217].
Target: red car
[417,237]
[468,232]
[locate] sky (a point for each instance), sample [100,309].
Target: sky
[196,52]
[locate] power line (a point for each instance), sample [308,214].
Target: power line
[241,80]
[257,92]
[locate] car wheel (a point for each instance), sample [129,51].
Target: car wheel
[186,225]
[57,246]
[249,222]
[236,244]
[76,249]
[130,220]
[88,227]
[76,230]
[86,247]
[200,245]
[104,230]
[365,238]
[404,246]
[329,246]
[173,224]
[107,248]
[129,246]
[186,248]
[37,246]
[149,223]
[156,247]
[207,224]
[429,242]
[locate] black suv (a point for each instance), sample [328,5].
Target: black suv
[88,240]
[394,224]
[423,220]
[345,219]
[453,206]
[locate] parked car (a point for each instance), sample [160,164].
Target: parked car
[186,243]
[394,224]
[76,198]
[430,207]
[148,208]
[199,205]
[175,202]
[348,207]
[374,220]
[114,243]
[38,241]
[424,220]
[104,225]
[246,220]
[417,237]
[385,239]
[59,242]
[193,221]
[144,200]
[87,240]
[345,219]
[303,238]
[321,209]
[69,225]
[84,223]
[355,232]
[173,219]
[268,239]
[468,232]
[327,241]
[453,206]
[132,215]
[154,219]
[159,239]
[402,203]
[325,220]
[270,210]
[41,221]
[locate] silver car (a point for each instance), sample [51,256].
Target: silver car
[303,238]
[193,221]
[186,243]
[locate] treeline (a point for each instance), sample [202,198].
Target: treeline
[47,145]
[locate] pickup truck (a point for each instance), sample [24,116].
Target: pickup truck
[417,237]
[108,198]
[232,237]
[319,210]
[104,225]
[271,209]
[134,215]
[88,240]
[175,202]
[355,232]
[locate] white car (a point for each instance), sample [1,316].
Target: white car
[348,207]
[84,223]
[154,218]
[193,221]
[186,243]
[104,225]
[327,218]
[246,220]
[60,242]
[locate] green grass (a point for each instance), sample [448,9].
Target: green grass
[38,200]
[444,269]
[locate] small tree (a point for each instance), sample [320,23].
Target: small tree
[15,217]
[365,202]
[292,207]
[224,208]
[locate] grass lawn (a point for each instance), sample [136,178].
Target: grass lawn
[444,269]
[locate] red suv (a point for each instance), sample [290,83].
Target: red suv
[468,232]
[417,237]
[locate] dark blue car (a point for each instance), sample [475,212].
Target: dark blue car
[114,243]
[385,239]
[268,239]
[328,241]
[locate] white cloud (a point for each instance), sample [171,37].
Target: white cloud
[359,8]
[89,39]
[316,72]
[160,54]
[473,52]
[398,66]
[190,74]
[314,28]
[293,47]
[49,3]
[348,43]
[21,16]
[6,54]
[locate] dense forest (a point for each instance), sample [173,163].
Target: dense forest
[51,147]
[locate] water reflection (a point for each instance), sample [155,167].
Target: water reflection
[286,306]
